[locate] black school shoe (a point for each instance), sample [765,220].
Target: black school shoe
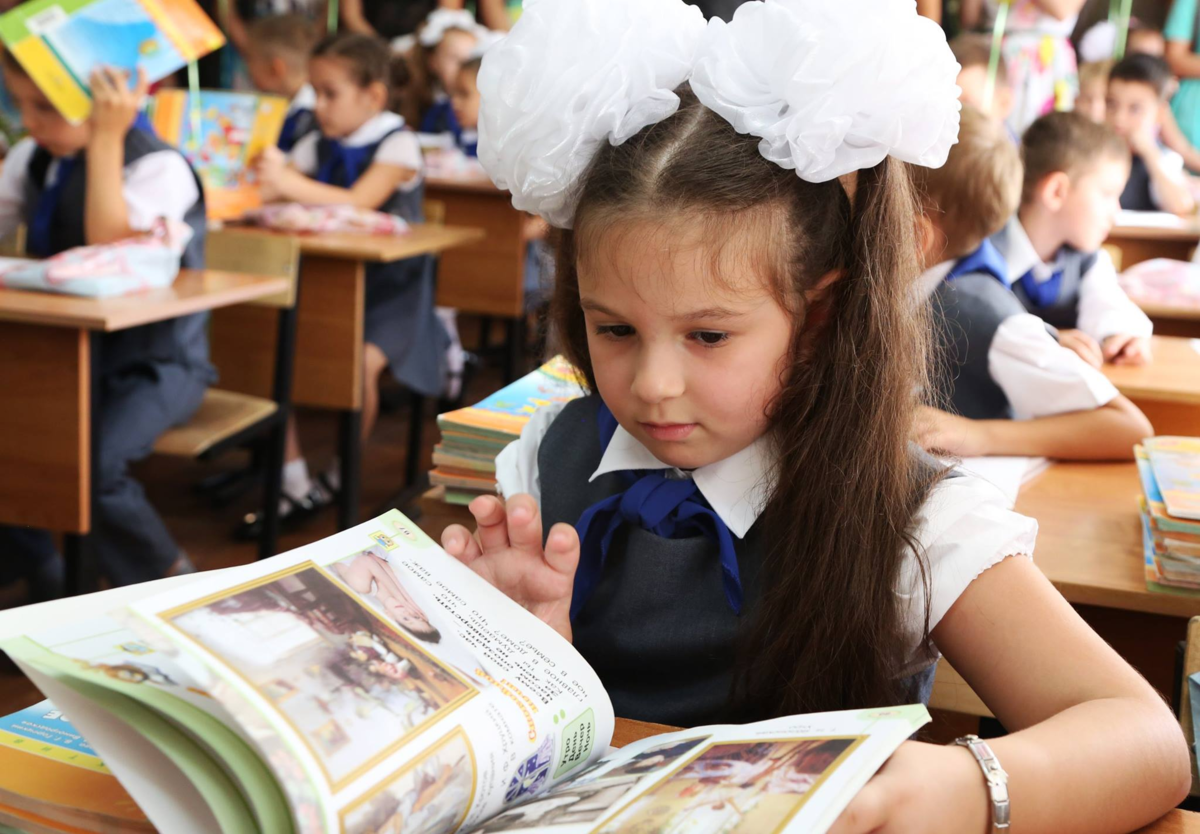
[295,513]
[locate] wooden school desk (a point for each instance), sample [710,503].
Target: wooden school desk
[486,278]
[1168,389]
[1175,822]
[49,360]
[329,332]
[1139,243]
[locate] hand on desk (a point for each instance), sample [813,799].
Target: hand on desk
[1123,349]
[506,550]
[1088,348]
[271,167]
[940,431]
[923,788]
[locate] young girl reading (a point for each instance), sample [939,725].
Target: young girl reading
[364,156]
[738,526]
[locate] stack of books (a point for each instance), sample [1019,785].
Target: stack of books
[465,461]
[1169,468]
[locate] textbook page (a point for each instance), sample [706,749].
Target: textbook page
[793,774]
[381,679]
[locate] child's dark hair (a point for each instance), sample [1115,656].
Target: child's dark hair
[10,63]
[287,36]
[828,631]
[1066,142]
[369,58]
[1143,69]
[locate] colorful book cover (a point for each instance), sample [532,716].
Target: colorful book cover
[1152,500]
[1156,581]
[1176,465]
[455,459]
[47,768]
[463,480]
[505,413]
[234,128]
[60,42]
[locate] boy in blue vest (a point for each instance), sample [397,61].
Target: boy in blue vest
[1137,89]
[1075,171]
[277,63]
[1010,387]
[107,179]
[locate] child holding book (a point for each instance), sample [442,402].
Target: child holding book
[736,523]
[1137,88]
[277,62]
[362,155]
[1075,171]
[999,362]
[98,182]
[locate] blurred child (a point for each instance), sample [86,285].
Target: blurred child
[98,182]
[1181,53]
[362,155]
[1093,90]
[1075,171]
[973,53]
[464,99]
[277,63]
[444,44]
[1137,87]
[1001,362]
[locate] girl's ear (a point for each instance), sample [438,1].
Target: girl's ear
[818,292]
[378,91]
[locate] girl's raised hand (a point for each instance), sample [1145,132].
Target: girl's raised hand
[923,789]
[506,550]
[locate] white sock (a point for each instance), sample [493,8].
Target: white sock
[296,481]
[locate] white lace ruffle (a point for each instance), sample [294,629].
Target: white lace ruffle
[830,86]
[570,75]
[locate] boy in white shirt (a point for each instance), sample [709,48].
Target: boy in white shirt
[1075,171]
[1010,388]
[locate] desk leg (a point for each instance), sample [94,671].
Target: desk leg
[76,546]
[350,452]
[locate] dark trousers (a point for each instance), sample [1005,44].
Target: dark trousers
[129,541]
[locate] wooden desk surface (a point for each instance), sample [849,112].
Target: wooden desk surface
[470,183]
[192,292]
[1173,376]
[1187,231]
[1089,537]
[1175,822]
[420,240]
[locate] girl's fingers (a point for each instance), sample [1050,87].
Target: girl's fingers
[459,543]
[492,521]
[524,524]
[562,549]
[142,86]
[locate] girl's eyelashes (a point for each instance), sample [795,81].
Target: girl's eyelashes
[614,331]
[709,338]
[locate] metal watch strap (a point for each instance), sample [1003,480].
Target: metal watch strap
[994,775]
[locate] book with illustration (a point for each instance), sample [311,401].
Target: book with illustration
[221,134]
[371,683]
[60,42]
[1176,465]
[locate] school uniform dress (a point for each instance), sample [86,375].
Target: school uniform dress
[399,316]
[1079,290]
[301,119]
[440,118]
[1140,194]
[151,377]
[998,361]
[659,616]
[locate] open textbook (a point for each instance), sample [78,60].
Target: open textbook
[371,683]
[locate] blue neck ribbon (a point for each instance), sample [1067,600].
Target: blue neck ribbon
[1041,294]
[667,507]
[986,259]
[287,135]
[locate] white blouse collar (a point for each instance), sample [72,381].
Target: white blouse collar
[736,487]
[374,129]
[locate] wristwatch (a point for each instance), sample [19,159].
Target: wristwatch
[994,775]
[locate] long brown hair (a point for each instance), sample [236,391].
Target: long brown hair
[828,630]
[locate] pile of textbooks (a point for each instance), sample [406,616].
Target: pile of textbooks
[465,461]
[1169,468]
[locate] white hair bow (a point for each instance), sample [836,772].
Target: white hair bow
[829,86]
